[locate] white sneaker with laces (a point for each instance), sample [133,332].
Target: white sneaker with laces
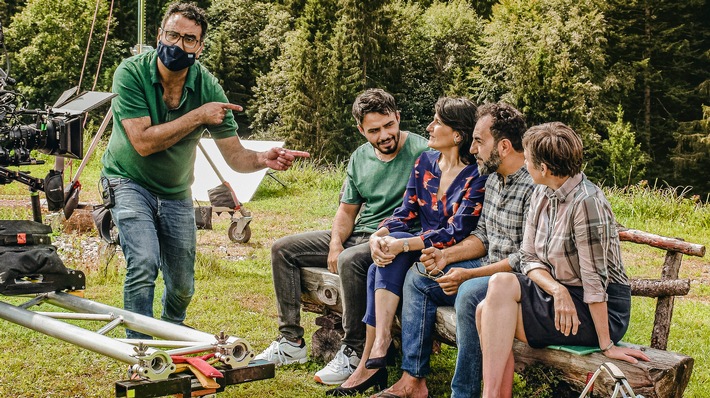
[340,368]
[284,352]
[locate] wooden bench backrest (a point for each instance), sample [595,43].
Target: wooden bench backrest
[669,285]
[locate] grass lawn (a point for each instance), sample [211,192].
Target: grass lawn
[234,291]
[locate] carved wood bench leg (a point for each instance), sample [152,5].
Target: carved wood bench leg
[326,341]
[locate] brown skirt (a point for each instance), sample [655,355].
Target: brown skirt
[539,315]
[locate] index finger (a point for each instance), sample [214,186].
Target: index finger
[444,278]
[428,254]
[299,154]
[233,107]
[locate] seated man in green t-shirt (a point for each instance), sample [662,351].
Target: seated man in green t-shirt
[377,175]
[165,102]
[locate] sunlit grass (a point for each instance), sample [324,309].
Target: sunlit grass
[234,291]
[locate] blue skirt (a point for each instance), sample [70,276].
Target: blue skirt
[538,310]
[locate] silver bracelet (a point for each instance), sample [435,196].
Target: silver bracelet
[608,347]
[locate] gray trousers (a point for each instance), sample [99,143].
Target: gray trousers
[310,249]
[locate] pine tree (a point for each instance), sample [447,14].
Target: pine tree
[548,58]
[244,40]
[691,156]
[662,45]
[627,162]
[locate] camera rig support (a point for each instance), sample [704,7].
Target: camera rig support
[57,131]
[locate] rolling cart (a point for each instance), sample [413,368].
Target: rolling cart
[223,199]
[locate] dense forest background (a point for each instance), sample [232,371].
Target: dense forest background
[631,76]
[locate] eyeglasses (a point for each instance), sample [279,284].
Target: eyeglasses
[433,274]
[172,37]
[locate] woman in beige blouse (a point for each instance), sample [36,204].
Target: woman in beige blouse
[573,289]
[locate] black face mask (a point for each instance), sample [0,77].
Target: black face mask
[174,57]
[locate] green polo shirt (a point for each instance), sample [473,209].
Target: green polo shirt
[379,186]
[167,174]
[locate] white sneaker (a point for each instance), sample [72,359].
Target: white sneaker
[340,368]
[284,352]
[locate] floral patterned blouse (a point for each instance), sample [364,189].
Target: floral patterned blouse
[445,221]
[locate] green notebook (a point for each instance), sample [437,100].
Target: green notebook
[582,350]
[575,349]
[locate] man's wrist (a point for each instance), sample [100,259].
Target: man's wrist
[261,159]
[444,256]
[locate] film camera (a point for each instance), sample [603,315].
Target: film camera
[55,130]
[49,131]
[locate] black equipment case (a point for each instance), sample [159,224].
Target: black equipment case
[29,263]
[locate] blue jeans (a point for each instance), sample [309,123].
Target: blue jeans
[420,299]
[469,361]
[389,278]
[156,235]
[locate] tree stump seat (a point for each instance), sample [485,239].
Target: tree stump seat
[666,375]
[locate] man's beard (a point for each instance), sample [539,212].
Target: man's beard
[491,165]
[394,147]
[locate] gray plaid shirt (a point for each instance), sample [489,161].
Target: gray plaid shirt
[572,234]
[502,221]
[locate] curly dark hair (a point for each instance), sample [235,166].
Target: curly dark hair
[190,11]
[459,114]
[373,100]
[508,123]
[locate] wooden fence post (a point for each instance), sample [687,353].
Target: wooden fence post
[664,305]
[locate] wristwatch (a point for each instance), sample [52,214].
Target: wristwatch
[405,246]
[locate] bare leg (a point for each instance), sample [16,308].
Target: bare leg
[385,307]
[498,324]
[409,386]
[362,373]
[506,388]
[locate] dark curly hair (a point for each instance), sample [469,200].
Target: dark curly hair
[508,123]
[459,114]
[190,11]
[373,100]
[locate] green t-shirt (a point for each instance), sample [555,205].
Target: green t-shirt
[167,174]
[377,185]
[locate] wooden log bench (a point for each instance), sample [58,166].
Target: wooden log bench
[666,375]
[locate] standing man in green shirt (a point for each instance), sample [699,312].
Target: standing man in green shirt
[165,101]
[377,175]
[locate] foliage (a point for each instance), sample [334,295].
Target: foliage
[664,46]
[243,42]
[297,64]
[537,381]
[671,207]
[9,8]
[330,57]
[435,55]
[691,156]
[47,42]
[321,67]
[626,159]
[548,58]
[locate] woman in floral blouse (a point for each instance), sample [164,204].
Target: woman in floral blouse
[445,196]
